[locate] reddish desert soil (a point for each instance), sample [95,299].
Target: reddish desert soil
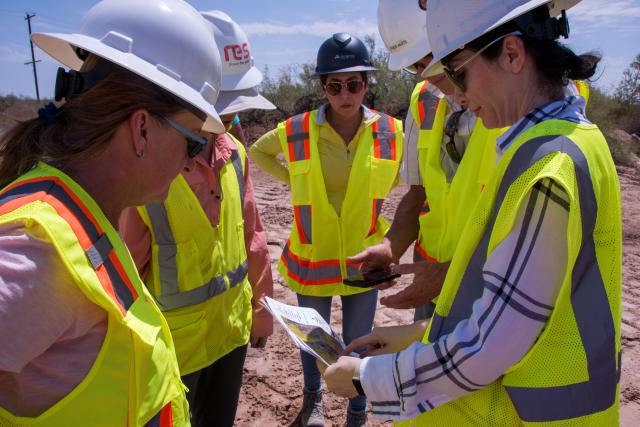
[272,390]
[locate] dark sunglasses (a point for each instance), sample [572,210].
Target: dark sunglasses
[195,143]
[450,130]
[353,86]
[457,77]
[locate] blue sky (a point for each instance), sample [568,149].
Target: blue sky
[287,32]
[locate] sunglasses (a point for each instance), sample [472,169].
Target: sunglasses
[195,143]
[456,77]
[450,130]
[353,86]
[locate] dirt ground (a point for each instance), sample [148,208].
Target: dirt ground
[272,390]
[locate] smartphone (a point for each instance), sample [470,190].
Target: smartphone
[371,278]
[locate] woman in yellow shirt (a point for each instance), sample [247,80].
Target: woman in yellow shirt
[341,160]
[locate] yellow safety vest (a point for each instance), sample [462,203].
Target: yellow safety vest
[198,272]
[570,376]
[134,380]
[447,204]
[583,90]
[313,261]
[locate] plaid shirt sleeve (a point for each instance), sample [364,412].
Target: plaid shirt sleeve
[529,265]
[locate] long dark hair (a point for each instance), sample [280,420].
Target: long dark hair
[82,126]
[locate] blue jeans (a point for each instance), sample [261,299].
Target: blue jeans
[358,312]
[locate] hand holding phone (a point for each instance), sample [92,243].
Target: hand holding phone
[371,278]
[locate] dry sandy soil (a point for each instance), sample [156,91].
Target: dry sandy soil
[272,390]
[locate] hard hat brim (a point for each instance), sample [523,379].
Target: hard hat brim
[344,70]
[436,67]
[60,47]
[252,78]
[433,70]
[230,102]
[406,58]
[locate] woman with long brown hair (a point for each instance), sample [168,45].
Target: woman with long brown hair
[83,343]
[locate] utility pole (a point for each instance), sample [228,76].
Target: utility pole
[33,57]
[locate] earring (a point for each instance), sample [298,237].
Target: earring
[140,153]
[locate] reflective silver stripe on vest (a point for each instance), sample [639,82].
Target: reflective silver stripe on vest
[236,161]
[167,249]
[170,296]
[297,136]
[99,251]
[385,136]
[214,287]
[308,273]
[303,217]
[352,270]
[376,209]
[588,300]
[430,107]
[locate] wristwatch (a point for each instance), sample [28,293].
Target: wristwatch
[356,382]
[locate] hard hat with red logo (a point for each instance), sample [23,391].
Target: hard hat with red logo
[149,38]
[238,70]
[342,53]
[403,28]
[452,24]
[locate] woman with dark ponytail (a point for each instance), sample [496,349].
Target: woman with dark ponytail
[526,329]
[82,340]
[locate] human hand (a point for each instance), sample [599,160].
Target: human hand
[374,257]
[258,342]
[387,339]
[427,284]
[338,376]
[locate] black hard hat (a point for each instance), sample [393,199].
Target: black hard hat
[342,53]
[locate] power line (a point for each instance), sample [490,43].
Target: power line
[33,57]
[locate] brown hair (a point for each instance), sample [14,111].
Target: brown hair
[325,77]
[84,125]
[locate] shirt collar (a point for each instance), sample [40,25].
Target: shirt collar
[368,115]
[571,108]
[223,146]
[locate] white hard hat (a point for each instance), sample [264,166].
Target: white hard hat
[452,24]
[235,101]
[403,29]
[164,41]
[238,71]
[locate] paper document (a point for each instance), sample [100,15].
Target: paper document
[307,329]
